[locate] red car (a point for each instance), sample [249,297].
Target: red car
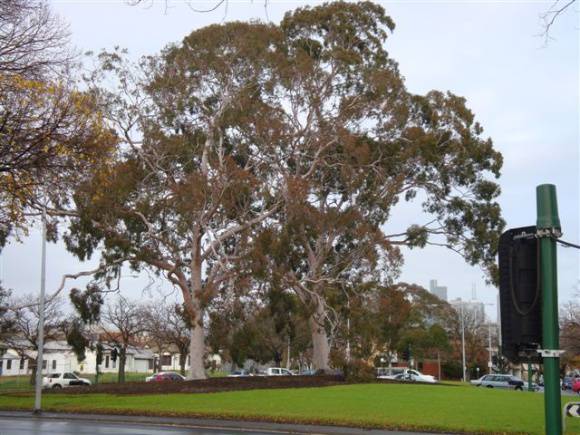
[576,385]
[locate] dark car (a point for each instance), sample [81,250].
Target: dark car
[166,377]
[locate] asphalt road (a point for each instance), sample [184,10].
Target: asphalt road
[21,423]
[39,426]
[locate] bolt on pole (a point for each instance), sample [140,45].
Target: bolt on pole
[548,225]
[40,340]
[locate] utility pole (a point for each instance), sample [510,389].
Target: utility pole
[348,331]
[40,339]
[462,337]
[548,229]
[490,362]
[489,349]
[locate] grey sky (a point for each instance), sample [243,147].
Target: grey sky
[525,95]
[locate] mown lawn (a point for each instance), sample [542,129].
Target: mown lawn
[445,408]
[22,382]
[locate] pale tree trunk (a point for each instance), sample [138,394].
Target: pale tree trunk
[197,343]
[196,349]
[320,344]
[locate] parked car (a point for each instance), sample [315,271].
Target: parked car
[239,374]
[390,372]
[499,381]
[576,385]
[165,377]
[63,380]
[276,371]
[404,374]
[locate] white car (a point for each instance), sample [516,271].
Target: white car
[415,376]
[239,374]
[390,372]
[63,380]
[276,371]
[405,374]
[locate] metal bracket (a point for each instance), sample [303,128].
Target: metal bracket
[554,233]
[550,353]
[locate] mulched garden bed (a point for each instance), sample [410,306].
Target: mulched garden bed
[211,385]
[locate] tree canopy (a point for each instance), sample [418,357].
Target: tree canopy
[50,133]
[258,153]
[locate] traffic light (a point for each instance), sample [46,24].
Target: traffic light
[114,354]
[520,294]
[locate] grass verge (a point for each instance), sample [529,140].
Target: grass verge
[406,407]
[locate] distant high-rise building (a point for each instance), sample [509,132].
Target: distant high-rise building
[439,291]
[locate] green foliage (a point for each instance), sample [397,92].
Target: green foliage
[359,371]
[88,304]
[75,338]
[264,335]
[452,369]
[6,320]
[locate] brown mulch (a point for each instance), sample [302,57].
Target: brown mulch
[211,385]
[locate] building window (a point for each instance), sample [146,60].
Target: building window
[43,364]
[165,360]
[54,364]
[9,364]
[21,363]
[107,362]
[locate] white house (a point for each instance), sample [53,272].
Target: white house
[59,357]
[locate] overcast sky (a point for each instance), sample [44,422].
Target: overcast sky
[525,94]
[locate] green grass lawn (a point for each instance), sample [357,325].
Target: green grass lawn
[15,383]
[22,383]
[445,408]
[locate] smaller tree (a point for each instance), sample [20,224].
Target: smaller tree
[179,332]
[88,306]
[570,332]
[25,322]
[168,326]
[6,318]
[123,323]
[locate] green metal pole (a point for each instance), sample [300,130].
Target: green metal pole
[548,225]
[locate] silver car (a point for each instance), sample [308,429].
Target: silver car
[499,381]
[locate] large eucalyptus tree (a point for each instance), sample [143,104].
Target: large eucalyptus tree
[358,143]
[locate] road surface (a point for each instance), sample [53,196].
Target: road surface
[22,423]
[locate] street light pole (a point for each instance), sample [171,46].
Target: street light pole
[462,337]
[490,362]
[489,350]
[40,339]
